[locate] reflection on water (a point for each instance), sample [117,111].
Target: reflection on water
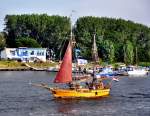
[129,97]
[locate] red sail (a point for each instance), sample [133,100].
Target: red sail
[65,73]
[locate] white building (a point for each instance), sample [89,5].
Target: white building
[24,54]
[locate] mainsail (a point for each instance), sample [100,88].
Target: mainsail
[65,73]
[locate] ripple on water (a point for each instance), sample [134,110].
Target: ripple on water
[128,97]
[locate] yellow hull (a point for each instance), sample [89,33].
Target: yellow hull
[79,93]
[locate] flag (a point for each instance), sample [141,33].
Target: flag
[115,79]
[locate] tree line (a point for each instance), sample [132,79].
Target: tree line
[117,40]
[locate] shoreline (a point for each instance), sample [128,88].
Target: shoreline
[23,66]
[21,69]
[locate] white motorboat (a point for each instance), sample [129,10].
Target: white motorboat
[136,71]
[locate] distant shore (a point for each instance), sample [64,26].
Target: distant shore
[20,66]
[6,65]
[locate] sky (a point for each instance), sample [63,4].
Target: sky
[134,10]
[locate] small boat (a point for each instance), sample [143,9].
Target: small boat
[106,72]
[122,71]
[52,69]
[74,89]
[136,71]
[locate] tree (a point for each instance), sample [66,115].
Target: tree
[117,31]
[27,42]
[51,31]
[48,31]
[128,53]
[108,51]
[2,41]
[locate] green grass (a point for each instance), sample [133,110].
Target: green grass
[43,64]
[10,64]
[15,64]
[144,63]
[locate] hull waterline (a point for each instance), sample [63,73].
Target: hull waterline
[80,93]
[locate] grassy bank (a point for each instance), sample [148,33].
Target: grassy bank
[43,64]
[11,64]
[14,64]
[144,63]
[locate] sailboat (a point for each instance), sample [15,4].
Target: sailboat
[74,89]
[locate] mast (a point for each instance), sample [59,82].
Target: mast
[94,56]
[136,55]
[64,75]
[71,34]
[94,51]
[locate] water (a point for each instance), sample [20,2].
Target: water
[129,97]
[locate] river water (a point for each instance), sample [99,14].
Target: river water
[128,97]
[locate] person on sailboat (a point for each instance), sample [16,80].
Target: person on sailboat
[84,70]
[101,85]
[71,85]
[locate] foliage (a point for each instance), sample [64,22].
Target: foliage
[144,63]
[2,41]
[52,31]
[48,31]
[128,53]
[117,31]
[27,42]
[107,51]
